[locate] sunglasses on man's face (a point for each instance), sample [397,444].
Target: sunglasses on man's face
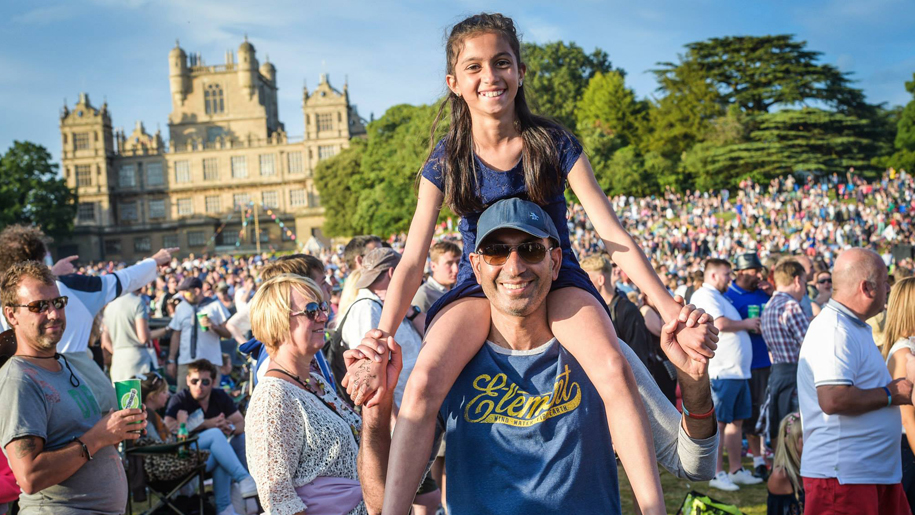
[312,309]
[202,381]
[40,306]
[531,252]
[824,281]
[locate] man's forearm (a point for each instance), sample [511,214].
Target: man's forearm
[850,400]
[48,468]
[697,399]
[373,454]
[173,345]
[222,331]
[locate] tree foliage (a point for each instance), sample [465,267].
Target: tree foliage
[607,105]
[32,192]
[335,179]
[557,75]
[904,155]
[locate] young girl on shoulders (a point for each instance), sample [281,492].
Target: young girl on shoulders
[496,148]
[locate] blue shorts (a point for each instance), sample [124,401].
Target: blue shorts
[732,399]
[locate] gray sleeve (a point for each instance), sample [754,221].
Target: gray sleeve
[25,407]
[682,456]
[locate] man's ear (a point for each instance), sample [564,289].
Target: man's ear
[556,261]
[476,261]
[10,314]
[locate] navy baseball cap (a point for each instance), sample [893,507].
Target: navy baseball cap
[190,283]
[514,213]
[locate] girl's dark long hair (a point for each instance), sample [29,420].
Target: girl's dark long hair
[542,176]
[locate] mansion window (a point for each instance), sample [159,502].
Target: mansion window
[270,200]
[185,207]
[127,176]
[170,240]
[295,162]
[129,212]
[86,212]
[157,208]
[154,176]
[241,200]
[182,171]
[325,121]
[297,198]
[268,164]
[196,238]
[112,246]
[228,237]
[239,167]
[142,244]
[212,204]
[84,175]
[211,169]
[81,141]
[326,151]
[212,99]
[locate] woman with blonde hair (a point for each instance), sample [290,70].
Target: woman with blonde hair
[786,490]
[898,344]
[303,440]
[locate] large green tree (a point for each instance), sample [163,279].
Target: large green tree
[335,179]
[607,105]
[32,192]
[904,155]
[767,145]
[557,75]
[759,72]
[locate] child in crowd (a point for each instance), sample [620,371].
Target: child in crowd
[786,491]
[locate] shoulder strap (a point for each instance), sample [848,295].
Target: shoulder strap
[350,310]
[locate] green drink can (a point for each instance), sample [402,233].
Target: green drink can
[753,311]
[128,393]
[201,316]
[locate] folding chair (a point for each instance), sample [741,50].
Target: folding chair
[166,491]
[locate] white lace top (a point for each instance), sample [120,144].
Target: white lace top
[294,438]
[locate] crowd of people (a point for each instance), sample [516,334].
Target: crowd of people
[485,370]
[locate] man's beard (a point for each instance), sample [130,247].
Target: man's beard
[48,341]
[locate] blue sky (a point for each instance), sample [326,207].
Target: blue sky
[391,52]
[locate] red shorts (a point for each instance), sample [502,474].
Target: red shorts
[828,497]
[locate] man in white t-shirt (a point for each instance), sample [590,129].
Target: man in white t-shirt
[197,326]
[729,371]
[848,400]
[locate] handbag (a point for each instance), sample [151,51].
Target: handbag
[162,461]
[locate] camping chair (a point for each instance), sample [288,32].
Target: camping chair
[167,491]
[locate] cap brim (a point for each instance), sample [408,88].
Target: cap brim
[368,277]
[529,229]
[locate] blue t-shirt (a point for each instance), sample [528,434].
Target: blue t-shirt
[496,185]
[742,300]
[530,431]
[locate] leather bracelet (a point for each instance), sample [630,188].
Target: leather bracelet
[698,416]
[889,397]
[85,448]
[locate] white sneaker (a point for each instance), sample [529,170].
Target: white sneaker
[721,481]
[743,477]
[247,487]
[230,510]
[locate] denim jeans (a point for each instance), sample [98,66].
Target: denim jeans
[224,465]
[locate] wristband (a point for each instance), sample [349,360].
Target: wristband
[85,449]
[699,416]
[889,397]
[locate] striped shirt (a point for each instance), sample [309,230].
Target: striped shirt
[784,325]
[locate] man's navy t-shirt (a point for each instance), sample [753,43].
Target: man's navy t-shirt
[529,433]
[220,402]
[742,300]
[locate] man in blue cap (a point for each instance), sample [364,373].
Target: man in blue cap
[526,431]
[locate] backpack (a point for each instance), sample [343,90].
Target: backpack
[334,349]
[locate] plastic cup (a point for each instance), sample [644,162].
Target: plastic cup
[128,393]
[753,311]
[201,316]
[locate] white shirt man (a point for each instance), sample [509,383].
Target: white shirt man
[848,400]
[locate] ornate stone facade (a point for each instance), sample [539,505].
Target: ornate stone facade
[226,150]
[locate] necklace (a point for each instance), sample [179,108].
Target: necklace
[307,386]
[73,379]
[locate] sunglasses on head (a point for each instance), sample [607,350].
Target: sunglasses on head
[531,252]
[311,310]
[40,306]
[202,381]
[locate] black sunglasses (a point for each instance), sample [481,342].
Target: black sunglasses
[531,252]
[824,281]
[311,310]
[40,306]
[204,382]
[155,376]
